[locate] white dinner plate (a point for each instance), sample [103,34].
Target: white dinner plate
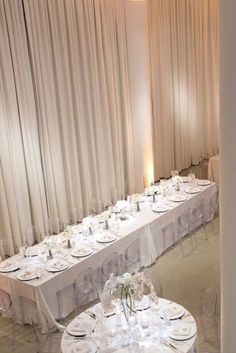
[105,238]
[172,311]
[182,331]
[160,208]
[204,182]
[26,275]
[178,198]
[8,266]
[34,251]
[83,347]
[81,326]
[82,252]
[192,190]
[186,179]
[57,265]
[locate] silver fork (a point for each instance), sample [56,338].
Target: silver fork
[173,347]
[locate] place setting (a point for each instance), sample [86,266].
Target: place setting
[106,237]
[57,265]
[178,197]
[82,326]
[204,182]
[81,251]
[160,208]
[28,274]
[9,266]
[192,190]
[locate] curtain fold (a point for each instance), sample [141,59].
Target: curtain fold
[183,39]
[66,127]
[22,198]
[66,120]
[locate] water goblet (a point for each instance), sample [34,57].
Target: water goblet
[125,333]
[144,323]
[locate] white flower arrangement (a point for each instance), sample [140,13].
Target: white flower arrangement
[177,180]
[48,242]
[122,206]
[105,215]
[68,232]
[129,288]
[136,198]
[88,221]
[152,190]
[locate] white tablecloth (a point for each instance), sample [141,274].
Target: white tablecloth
[146,226]
[213,169]
[147,344]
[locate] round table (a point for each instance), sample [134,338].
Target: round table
[163,328]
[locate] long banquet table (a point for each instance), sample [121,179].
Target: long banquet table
[146,225]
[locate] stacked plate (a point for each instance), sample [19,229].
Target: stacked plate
[81,326]
[105,238]
[27,275]
[204,182]
[178,198]
[83,347]
[182,331]
[172,312]
[160,208]
[192,190]
[57,265]
[82,252]
[8,266]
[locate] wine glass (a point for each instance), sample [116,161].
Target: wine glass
[144,323]
[191,176]
[174,173]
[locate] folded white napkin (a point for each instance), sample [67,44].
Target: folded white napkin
[181,330]
[58,265]
[77,326]
[174,311]
[80,347]
[82,251]
[7,265]
[26,274]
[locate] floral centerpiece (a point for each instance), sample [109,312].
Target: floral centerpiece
[152,190]
[68,232]
[177,180]
[105,215]
[90,222]
[127,288]
[136,198]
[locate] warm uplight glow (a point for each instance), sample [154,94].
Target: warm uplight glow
[149,175]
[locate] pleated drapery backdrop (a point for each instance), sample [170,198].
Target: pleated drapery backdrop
[68,127]
[183,38]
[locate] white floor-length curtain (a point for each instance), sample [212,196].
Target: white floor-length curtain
[22,193]
[78,51]
[183,38]
[65,124]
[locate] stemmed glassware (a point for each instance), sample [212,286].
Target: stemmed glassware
[145,323]
[191,176]
[174,173]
